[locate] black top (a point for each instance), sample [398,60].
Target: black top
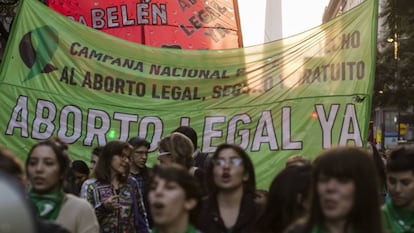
[210,221]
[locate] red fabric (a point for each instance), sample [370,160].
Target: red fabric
[186,24]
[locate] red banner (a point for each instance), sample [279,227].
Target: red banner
[185,24]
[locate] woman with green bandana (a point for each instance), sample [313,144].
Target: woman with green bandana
[46,167]
[174,198]
[344,194]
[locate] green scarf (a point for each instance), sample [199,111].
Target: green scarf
[47,205]
[398,220]
[190,229]
[317,229]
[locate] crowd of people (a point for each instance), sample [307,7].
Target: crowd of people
[343,190]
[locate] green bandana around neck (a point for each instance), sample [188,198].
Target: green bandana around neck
[47,205]
[318,229]
[190,229]
[398,220]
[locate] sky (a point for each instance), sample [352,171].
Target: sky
[297,16]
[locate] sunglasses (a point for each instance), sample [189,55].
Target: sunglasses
[159,154]
[233,162]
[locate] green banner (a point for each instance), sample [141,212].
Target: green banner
[299,95]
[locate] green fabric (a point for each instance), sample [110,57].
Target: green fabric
[317,229]
[398,220]
[298,95]
[47,205]
[190,229]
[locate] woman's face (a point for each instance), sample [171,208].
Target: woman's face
[336,197]
[168,203]
[228,170]
[43,170]
[120,163]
